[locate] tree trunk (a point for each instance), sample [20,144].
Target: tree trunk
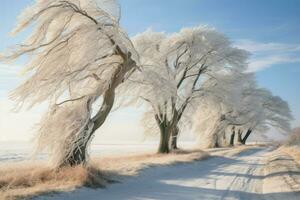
[211,141]
[231,142]
[174,138]
[239,137]
[78,154]
[164,144]
[216,144]
[246,136]
[165,133]
[164,139]
[223,142]
[219,134]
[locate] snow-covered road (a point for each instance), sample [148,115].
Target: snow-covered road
[252,174]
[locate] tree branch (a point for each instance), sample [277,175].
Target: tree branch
[70,100]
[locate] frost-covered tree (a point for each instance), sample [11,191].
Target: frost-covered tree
[78,54]
[249,109]
[258,110]
[174,69]
[217,113]
[263,110]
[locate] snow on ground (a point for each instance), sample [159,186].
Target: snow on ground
[253,174]
[20,151]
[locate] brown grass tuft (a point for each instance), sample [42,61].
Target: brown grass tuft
[29,179]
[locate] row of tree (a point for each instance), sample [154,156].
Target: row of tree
[238,109]
[79,57]
[196,78]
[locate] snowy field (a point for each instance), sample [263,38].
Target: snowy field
[19,151]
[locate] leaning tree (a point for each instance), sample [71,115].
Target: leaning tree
[250,109]
[260,110]
[78,55]
[174,68]
[217,112]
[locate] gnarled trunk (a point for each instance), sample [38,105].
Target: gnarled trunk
[246,136]
[174,138]
[78,155]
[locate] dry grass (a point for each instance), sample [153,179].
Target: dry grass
[31,179]
[294,137]
[292,145]
[131,165]
[26,180]
[293,151]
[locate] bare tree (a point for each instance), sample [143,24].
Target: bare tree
[174,69]
[78,54]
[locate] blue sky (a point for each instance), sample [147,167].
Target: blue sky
[269,29]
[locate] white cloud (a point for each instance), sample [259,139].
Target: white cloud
[254,47]
[265,55]
[261,63]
